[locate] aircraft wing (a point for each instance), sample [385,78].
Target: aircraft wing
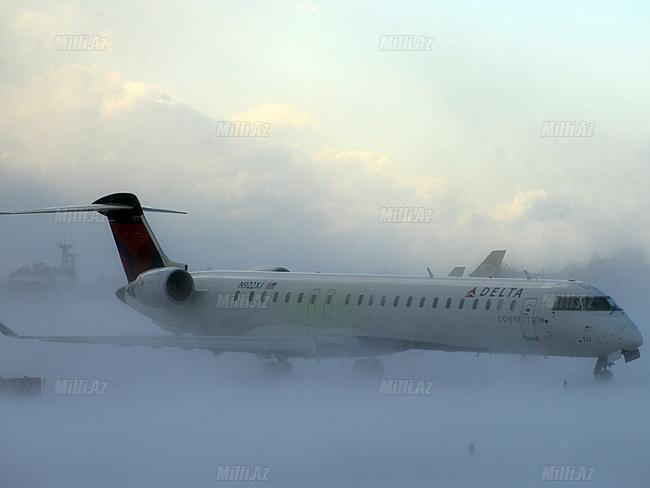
[290,345]
[490,266]
[306,346]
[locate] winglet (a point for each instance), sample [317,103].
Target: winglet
[6,331]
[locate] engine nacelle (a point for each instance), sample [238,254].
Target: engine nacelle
[162,287]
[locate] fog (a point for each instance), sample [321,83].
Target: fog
[171,417]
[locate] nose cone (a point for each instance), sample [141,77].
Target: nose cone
[632,339]
[636,338]
[119,293]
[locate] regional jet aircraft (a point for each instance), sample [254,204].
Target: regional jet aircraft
[277,314]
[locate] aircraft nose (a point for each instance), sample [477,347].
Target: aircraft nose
[119,293]
[632,338]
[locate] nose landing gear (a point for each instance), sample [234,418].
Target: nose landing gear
[601,370]
[278,369]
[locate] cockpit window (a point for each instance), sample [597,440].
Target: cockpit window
[599,303]
[567,302]
[572,302]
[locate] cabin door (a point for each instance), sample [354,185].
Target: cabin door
[527,320]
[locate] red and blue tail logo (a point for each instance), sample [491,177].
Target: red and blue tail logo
[136,244]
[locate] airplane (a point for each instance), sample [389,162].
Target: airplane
[277,314]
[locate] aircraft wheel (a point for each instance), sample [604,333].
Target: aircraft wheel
[376,367]
[285,367]
[369,368]
[602,371]
[605,375]
[278,369]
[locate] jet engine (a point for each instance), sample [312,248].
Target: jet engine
[162,287]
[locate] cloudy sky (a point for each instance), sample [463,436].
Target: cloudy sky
[352,128]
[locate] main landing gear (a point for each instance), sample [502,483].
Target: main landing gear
[278,369]
[369,368]
[602,371]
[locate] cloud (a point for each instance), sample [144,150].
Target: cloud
[59,115]
[368,160]
[522,203]
[277,114]
[84,130]
[127,94]
[306,6]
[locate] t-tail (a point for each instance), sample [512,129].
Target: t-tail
[137,245]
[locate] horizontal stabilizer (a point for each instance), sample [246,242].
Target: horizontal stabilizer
[164,210]
[95,207]
[71,208]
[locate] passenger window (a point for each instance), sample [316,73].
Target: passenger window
[360,300]
[421,302]
[313,299]
[512,305]
[435,302]
[236,295]
[250,296]
[275,296]
[396,302]
[329,299]
[475,304]
[263,297]
[383,301]
[288,297]
[461,303]
[348,299]
[409,301]
[448,304]
[371,300]
[488,304]
[500,304]
[300,297]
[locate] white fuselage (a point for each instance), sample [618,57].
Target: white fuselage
[398,312]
